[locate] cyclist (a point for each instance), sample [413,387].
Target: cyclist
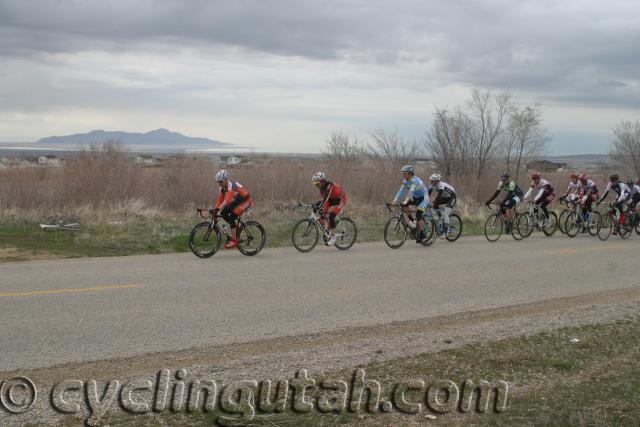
[333,200]
[511,200]
[545,194]
[573,190]
[233,200]
[622,191]
[445,200]
[634,198]
[415,192]
[589,193]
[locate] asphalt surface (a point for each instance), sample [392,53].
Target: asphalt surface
[64,311]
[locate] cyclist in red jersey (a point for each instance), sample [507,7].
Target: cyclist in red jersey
[333,200]
[233,200]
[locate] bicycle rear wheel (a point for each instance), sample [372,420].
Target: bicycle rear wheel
[395,233]
[624,229]
[205,239]
[346,234]
[429,232]
[305,235]
[493,227]
[455,228]
[251,238]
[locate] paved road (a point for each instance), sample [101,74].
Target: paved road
[89,309]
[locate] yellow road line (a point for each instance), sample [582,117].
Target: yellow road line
[66,291]
[573,251]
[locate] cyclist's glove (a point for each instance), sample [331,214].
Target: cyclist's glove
[214,211]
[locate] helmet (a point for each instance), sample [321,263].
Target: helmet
[434,177]
[614,178]
[574,176]
[407,168]
[318,176]
[222,175]
[630,182]
[504,176]
[583,177]
[535,175]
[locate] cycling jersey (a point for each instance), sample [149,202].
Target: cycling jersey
[511,187]
[227,194]
[332,195]
[621,190]
[543,185]
[444,190]
[414,188]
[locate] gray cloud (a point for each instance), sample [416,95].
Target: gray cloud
[572,52]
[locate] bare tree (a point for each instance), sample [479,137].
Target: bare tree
[625,149]
[343,147]
[526,136]
[449,142]
[388,145]
[488,112]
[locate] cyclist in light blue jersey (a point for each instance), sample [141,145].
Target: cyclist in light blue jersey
[415,194]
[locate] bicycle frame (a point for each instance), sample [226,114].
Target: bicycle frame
[214,222]
[315,219]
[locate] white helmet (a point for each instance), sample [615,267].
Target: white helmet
[222,175]
[318,176]
[407,168]
[435,177]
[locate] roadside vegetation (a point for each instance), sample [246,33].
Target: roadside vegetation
[578,376]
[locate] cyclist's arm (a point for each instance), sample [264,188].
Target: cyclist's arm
[399,194]
[623,193]
[539,195]
[494,196]
[220,199]
[526,196]
[605,194]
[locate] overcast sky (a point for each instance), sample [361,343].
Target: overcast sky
[281,75]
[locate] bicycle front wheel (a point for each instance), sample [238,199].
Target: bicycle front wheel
[524,224]
[346,234]
[305,235]
[592,225]
[455,228]
[493,228]
[395,233]
[251,238]
[205,239]
[572,224]
[551,225]
[562,220]
[604,227]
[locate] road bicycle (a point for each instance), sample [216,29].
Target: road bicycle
[580,221]
[609,221]
[499,222]
[306,233]
[455,225]
[206,237]
[534,219]
[402,225]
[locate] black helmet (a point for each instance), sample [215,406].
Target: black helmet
[614,178]
[630,182]
[504,176]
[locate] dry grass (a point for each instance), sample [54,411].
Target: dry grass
[104,181]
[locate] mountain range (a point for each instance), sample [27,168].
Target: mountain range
[155,137]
